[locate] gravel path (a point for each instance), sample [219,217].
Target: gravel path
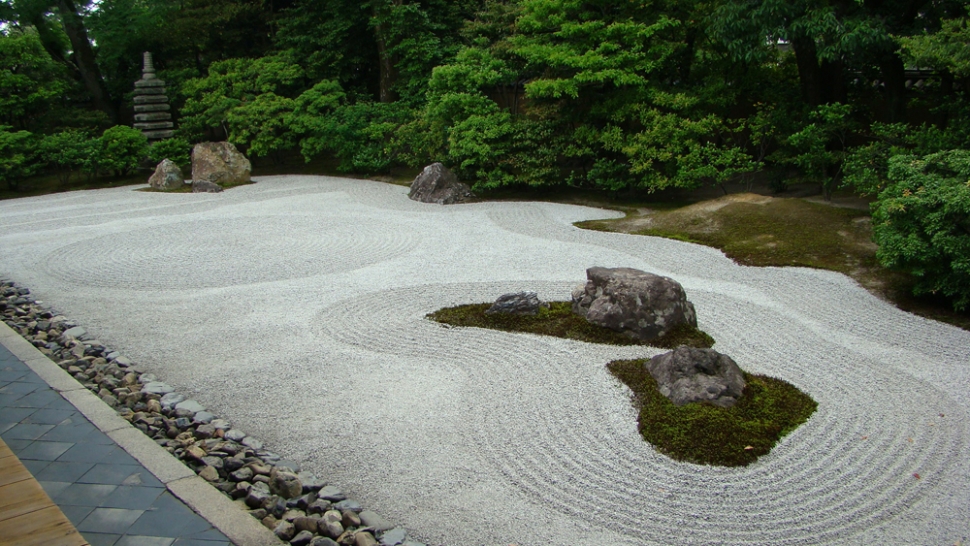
[295,308]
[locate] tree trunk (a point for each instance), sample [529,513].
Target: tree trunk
[806,57]
[84,58]
[386,61]
[894,75]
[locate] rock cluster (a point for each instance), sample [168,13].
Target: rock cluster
[167,176]
[518,303]
[437,184]
[216,164]
[152,115]
[635,303]
[687,375]
[299,508]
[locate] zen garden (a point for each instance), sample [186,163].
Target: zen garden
[509,271]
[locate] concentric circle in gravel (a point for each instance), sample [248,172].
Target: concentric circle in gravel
[553,432]
[229,252]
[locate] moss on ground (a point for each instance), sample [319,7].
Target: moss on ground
[702,433]
[560,321]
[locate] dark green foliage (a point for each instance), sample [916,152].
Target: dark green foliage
[176,149]
[120,149]
[18,151]
[922,223]
[702,433]
[69,151]
[560,321]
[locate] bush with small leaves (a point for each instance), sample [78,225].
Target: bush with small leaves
[175,149]
[121,149]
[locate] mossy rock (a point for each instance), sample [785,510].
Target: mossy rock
[559,320]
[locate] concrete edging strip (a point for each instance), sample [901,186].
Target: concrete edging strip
[241,528]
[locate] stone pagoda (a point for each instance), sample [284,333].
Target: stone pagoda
[152,114]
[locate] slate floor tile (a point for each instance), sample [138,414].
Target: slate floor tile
[118,474]
[83,494]
[80,432]
[101,539]
[131,540]
[44,451]
[41,399]
[169,518]
[47,416]
[16,444]
[197,542]
[54,488]
[109,520]
[34,467]
[7,376]
[9,400]
[20,387]
[15,415]
[136,498]
[89,453]
[26,432]
[77,513]
[211,534]
[63,472]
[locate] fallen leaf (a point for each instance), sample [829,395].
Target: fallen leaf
[865,437]
[916,475]
[910,440]
[748,448]
[941,415]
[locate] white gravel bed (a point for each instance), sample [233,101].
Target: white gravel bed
[295,308]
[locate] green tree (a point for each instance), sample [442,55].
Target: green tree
[921,223]
[120,149]
[18,156]
[30,82]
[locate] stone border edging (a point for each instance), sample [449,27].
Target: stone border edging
[204,499]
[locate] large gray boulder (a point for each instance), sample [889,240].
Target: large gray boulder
[219,163]
[687,375]
[518,303]
[437,184]
[167,176]
[635,303]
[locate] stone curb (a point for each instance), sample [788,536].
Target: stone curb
[209,503]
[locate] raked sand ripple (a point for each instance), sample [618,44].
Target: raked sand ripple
[296,308]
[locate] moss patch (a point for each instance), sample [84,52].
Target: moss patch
[560,321]
[702,433]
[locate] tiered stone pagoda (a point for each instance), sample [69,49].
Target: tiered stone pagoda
[152,114]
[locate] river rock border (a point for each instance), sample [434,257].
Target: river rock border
[298,507]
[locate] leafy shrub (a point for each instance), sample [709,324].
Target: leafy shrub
[121,149]
[18,156]
[69,151]
[921,222]
[174,149]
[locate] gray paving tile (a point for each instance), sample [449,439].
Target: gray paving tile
[9,400]
[77,513]
[80,432]
[45,416]
[134,497]
[34,467]
[4,427]
[20,387]
[42,399]
[26,432]
[169,518]
[109,520]
[44,451]
[119,474]
[101,539]
[90,453]
[16,444]
[7,376]
[15,415]
[210,535]
[197,542]
[63,472]
[83,494]
[131,540]
[53,488]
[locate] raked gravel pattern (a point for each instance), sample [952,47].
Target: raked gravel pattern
[295,308]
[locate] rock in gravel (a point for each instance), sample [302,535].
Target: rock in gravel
[348,505]
[74,332]
[303,538]
[331,493]
[170,399]
[157,387]
[306,523]
[167,176]
[635,303]
[285,484]
[204,186]
[437,184]
[350,518]
[687,375]
[249,441]
[258,494]
[205,432]
[284,530]
[209,474]
[364,538]
[188,408]
[318,506]
[219,163]
[242,475]
[234,435]
[518,303]
[323,541]
[394,537]
[371,519]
